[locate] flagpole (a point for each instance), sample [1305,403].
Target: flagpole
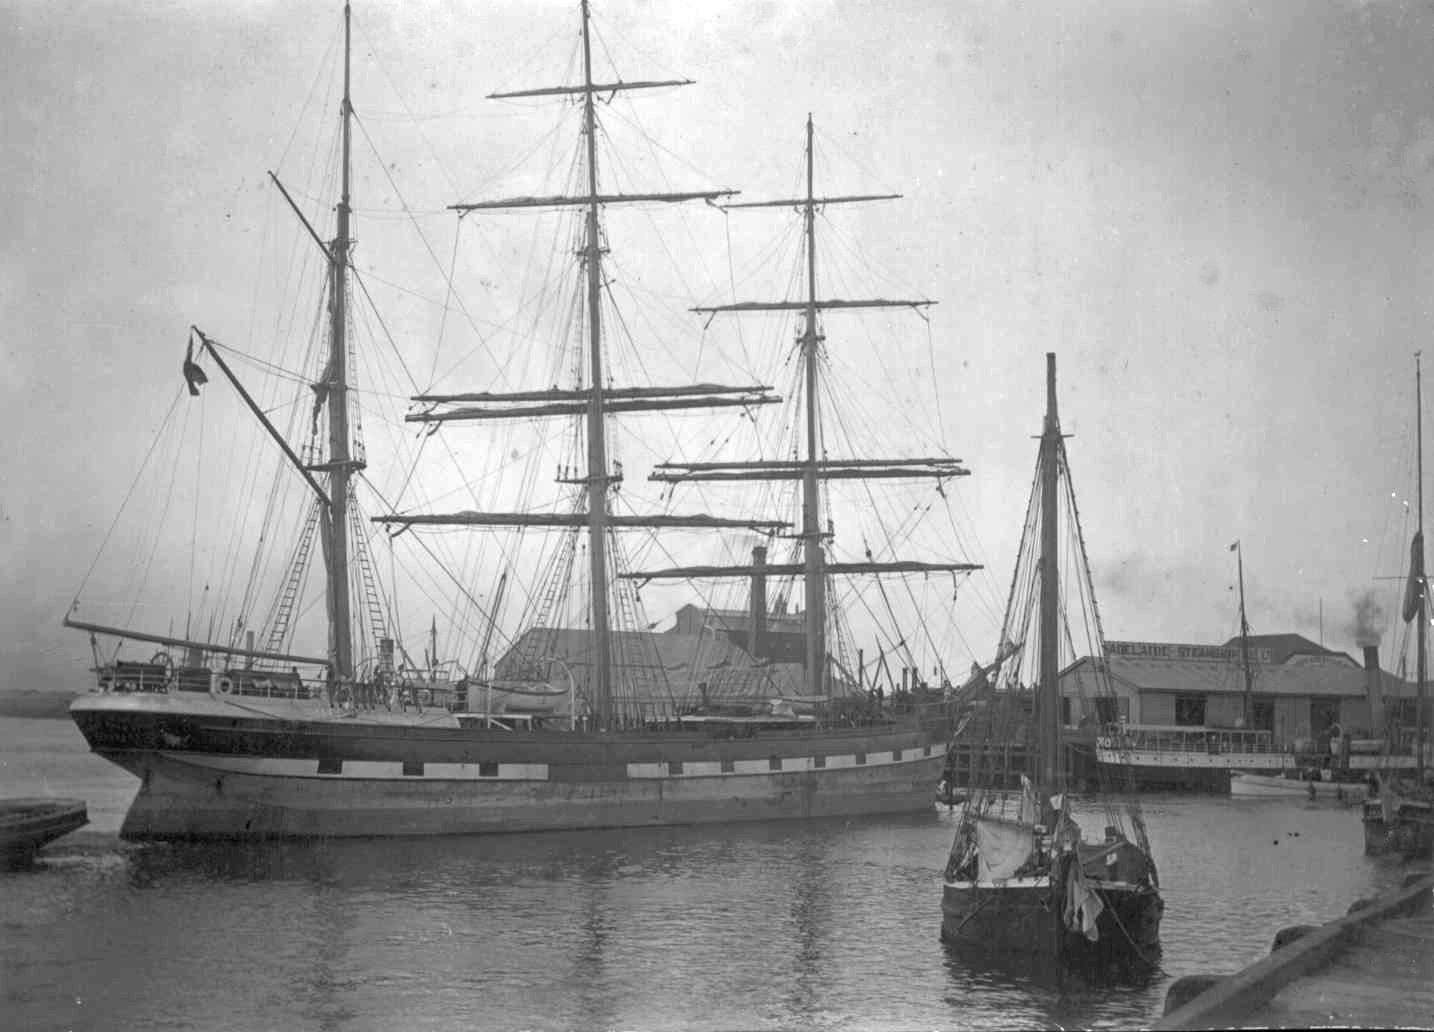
[1244,632]
[1423,584]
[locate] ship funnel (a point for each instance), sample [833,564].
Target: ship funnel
[757,625]
[1374,690]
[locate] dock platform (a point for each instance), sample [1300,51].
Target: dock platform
[1372,968]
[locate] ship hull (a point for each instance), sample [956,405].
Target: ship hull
[1398,827]
[211,769]
[1023,918]
[1264,786]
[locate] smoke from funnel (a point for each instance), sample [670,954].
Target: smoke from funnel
[1367,625]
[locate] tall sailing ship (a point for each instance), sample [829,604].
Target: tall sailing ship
[1022,878]
[236,732]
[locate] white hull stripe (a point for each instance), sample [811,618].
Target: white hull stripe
[781,765]
[393,770]
[361,769]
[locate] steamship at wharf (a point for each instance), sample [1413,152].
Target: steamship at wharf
[243,732]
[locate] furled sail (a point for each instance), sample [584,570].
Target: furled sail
[1414,590]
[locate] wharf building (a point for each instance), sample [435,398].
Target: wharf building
[1300,694]
[1169,715]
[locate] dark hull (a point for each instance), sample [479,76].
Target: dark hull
[1121,777]
[1388,831]
[213,768]
[28,824]
[1023,918]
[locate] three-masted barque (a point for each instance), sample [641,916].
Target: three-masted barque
[252,737]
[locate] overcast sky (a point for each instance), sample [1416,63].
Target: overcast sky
[1217,214]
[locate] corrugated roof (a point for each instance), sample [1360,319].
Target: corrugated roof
[653,667]
[1329,675]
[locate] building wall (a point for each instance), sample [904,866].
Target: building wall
[1354,716]
[1292,719]
[1224,710]
[1156,708]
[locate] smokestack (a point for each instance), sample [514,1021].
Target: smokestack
[1374,690]
[757,625]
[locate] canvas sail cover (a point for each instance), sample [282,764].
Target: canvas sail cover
[1415,588]
[1003,847]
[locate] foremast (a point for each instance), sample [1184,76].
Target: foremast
[594,402]
[813,468]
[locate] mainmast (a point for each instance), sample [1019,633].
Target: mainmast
[598,478]
[1048,710]
[340,465]
[594,402]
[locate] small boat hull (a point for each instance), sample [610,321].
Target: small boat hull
[1265,786]
[28,824]
[1023,916]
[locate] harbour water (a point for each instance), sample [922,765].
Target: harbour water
[820,925]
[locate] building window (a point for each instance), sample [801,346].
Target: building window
[412,768]
[487,769]
[330,765]
[1066,710]
[1107,710]
[819,762]
[1262,715]
[1190,710]
[674,767]
[774,763]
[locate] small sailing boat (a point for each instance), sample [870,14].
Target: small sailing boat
[1022,878]
[587,719]
[1398,816]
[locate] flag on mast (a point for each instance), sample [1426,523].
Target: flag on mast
[1235,547]
[193,375]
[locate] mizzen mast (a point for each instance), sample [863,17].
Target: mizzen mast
[813,467]
[596,400]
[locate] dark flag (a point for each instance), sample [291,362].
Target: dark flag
[1414,591]
[193,375]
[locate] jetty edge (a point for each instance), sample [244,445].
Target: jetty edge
[1228,1001]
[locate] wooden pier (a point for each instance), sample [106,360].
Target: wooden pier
[1372,968]
[973,760]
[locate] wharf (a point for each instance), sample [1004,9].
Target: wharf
[1372,968]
